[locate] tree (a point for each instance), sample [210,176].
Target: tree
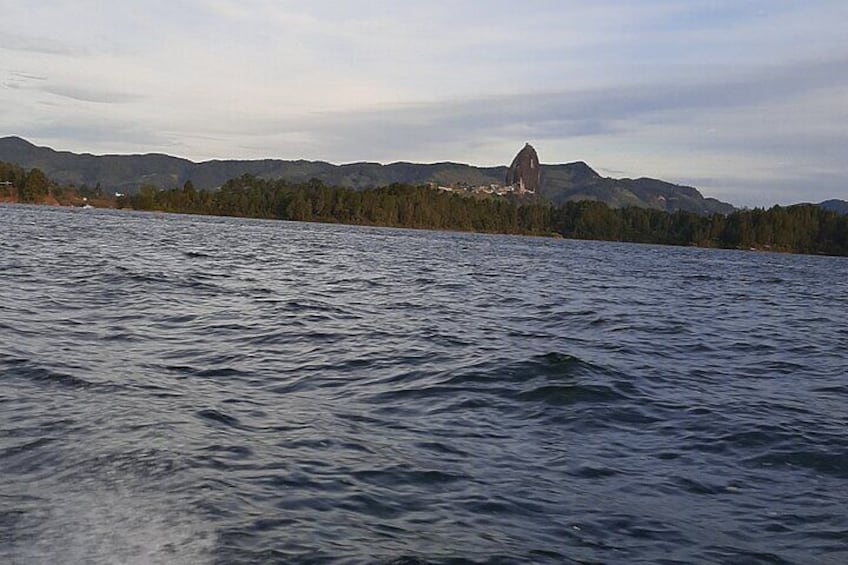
[36,186]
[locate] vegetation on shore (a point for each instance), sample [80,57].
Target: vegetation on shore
[803,228]
[799,229]
[562,182]
[34,187]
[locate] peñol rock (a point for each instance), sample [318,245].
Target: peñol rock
[560,183]
[525,172]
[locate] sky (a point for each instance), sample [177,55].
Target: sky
[747,100]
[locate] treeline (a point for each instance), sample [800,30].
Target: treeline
[799,229]
[34,186]
[21,185]
[393,206]
[802,228]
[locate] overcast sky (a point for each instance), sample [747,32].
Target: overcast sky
[746,100]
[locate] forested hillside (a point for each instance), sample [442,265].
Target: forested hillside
[560,183]
[802,229]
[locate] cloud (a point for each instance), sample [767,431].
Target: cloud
[83,94]
[12,41]
[578,113]
[745,94]
[757,192]
[17,79]
[101,138]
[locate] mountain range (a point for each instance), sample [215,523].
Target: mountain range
[559,183]
[838,206]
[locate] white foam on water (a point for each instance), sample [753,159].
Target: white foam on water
[111,525]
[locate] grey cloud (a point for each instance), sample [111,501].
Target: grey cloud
[805,148]
[19,79]
[576,113]
[744,191]
[806,157]
[27,43]
[109,135]
[90,94]
[27,76]
[25,80]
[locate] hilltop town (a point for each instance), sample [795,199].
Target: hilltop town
[523,177]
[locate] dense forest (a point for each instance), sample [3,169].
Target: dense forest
[562,182]
[804,228]
[21,185]
[33,186]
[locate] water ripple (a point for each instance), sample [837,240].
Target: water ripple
[214,390]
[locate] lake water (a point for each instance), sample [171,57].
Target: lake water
[182,389]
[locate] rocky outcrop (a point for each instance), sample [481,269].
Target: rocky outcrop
[525,173]
[557,184]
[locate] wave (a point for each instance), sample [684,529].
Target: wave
[197,390]
[29,371]
[219,418]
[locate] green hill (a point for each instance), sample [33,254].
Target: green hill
[834,205]
[560,183]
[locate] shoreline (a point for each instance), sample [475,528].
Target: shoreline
[549,236]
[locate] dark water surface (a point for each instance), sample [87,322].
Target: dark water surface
[214,390]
